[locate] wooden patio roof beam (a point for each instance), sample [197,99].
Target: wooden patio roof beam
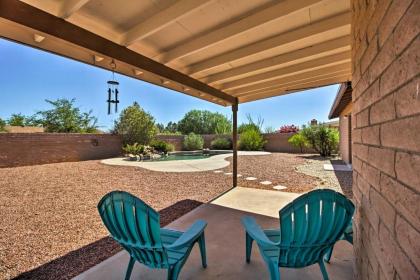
[294,88]
[241,25]
[69,7]
[306,31]
[29,16]
[328,46]
[330,70]
[162,19]
[303,66]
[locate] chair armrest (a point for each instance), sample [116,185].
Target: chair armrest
[189,236]
[256,233]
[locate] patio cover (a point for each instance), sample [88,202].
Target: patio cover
[223,51]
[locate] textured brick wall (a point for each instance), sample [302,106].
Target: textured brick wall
[386,136]
[345,139]
[18,149]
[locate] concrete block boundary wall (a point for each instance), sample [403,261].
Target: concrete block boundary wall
[19,149]
[386,138]
[276,142]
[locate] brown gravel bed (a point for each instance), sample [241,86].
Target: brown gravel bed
[49,211]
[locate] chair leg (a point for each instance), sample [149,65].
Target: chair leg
[129,268]
[248,247]
[273,268]
[202,244]
[323,270]
[173,272]
[327,256]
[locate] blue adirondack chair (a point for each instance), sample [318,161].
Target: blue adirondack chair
[136,226]
[309,227]
[347,235]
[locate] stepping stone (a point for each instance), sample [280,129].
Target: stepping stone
[228,173]
[265,183]
[218,171]
[239,175]
[250,178]
[279,187]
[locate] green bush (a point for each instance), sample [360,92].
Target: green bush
[322,139]
[135,125]
[299,141]
[17,120]
[193,142]
[134,149]
[204,122]
[221,143]
[251,140]
[162,146]
[2,125]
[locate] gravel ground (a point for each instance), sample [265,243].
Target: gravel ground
[50,228]
[340,181]
[278,168]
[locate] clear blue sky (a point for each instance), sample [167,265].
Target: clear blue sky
[29,76]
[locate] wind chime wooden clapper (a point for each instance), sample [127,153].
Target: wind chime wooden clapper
[113,90]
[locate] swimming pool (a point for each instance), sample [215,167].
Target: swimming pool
[182,157]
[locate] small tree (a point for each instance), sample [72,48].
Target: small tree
[17,120]
[66,118]
[322,139]
[135,125]
[2,125]
[299,141]
[204,122]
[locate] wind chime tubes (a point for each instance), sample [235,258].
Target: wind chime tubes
[113,90]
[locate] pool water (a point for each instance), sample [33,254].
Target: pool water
[182,157]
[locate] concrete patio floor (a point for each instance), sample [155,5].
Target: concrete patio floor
[225,241]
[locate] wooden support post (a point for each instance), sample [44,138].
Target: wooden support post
[235,143]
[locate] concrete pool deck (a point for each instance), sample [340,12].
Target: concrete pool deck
[191,165]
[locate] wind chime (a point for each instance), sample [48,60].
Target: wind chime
[113,90]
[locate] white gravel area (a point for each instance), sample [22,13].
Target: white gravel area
[338,181]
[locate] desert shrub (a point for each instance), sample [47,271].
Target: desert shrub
[2,125]
[288,129]
[193,142]
[269,129]
[322,139]
[135,125]
[134,149]
[162,146]
[299,141]
[251,140]
[221,143]
[17,120]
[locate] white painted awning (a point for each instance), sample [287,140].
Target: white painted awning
[222,51]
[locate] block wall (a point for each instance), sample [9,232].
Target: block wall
[386,138]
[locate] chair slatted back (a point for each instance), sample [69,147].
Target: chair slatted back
[135,225]
[310,225]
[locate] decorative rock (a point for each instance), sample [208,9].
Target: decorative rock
[228,173]
[279,187]
[265,183]
[250,178]
[217,171]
